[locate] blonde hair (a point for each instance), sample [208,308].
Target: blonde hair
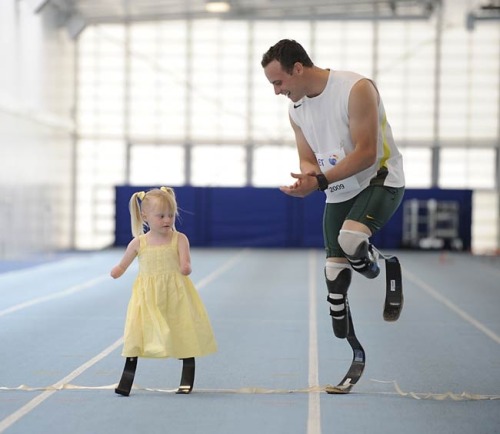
[164,197]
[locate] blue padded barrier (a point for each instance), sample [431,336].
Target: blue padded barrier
[265,217]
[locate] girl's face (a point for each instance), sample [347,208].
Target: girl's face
[159,218]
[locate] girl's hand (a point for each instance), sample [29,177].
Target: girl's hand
[117,271]
[128,257]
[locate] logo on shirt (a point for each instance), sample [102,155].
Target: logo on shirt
[297,105]
[332,159]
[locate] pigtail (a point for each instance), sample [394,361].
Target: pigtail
[172,201]
[168,190]
[136,222]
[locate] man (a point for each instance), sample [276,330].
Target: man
[346,149]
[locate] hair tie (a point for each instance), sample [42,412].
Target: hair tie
[141,195]
[168,190]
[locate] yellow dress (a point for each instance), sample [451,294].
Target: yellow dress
[165,316]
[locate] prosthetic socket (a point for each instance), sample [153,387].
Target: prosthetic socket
[359,252]
[337,297]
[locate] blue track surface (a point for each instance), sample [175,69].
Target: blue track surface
[61,324]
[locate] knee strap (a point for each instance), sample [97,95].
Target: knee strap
[340,313]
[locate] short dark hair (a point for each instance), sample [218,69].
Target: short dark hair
[287,52]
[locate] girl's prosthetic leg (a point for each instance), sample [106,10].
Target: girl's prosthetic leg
[187,378]
[127,379]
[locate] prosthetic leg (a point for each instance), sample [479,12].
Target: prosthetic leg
[364,260]
[337,297]
[343,327]
[394,299]
[187,378]
[357,365]
[127,379]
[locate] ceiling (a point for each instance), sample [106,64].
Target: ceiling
[77,14]
[100,11]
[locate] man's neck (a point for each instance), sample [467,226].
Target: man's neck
[317,79]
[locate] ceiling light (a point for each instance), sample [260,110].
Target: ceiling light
[217,6]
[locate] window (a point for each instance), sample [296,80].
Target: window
[417,167]
[273,164]
[218,166]
[467,168]
[164,86]
[157,165]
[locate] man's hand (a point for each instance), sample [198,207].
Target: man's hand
[306,183]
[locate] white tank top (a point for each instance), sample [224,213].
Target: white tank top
[325,125]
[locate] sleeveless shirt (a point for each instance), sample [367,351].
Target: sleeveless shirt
[324,121]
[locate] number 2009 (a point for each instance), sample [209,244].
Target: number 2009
[336,187]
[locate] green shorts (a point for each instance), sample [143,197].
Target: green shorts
[373,207]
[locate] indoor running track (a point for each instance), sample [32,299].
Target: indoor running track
[436,370]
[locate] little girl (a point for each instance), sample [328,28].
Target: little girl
[165,316]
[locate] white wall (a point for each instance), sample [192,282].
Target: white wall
[36,98]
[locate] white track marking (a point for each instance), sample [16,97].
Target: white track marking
[257,390]
[35,402]
[314,411]
[222,269]
[60,294]
[452,306]
[76,288]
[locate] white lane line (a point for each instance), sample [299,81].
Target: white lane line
[314,411]
[69,291]
[51,263]
[452,306]
[35,402]
[221,270]
[60,294]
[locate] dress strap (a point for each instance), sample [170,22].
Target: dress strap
[142,241]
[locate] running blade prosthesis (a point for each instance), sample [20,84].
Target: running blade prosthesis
[357,366]
[393,289]
[392,310]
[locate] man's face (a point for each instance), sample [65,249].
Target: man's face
[283,82]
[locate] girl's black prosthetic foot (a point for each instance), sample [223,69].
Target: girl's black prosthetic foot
[128,375]
[187,378]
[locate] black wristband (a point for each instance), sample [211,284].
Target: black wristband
[322,182]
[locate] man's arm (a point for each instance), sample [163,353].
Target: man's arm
[363,126]
[307,158]
[306,183]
